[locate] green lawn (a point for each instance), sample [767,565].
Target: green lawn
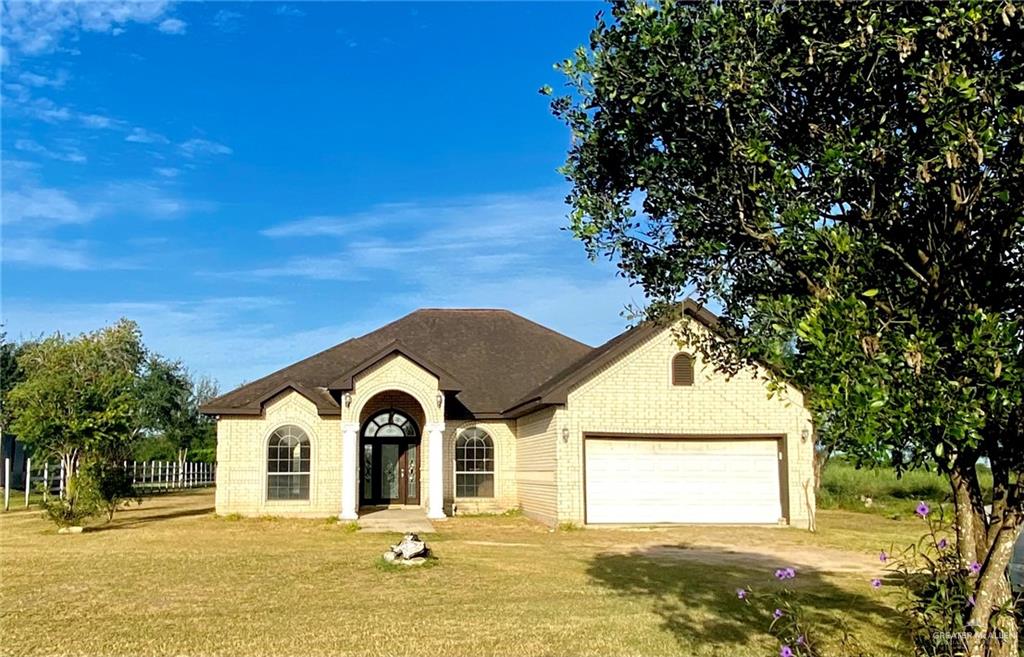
[881,491]
[170,578]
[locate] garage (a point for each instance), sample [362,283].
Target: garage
[636,479]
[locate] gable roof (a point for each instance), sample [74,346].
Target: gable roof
[488,359]
[556,389]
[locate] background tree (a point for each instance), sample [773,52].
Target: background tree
[844,181]
[169,401]
[10,374]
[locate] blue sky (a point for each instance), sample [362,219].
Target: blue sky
[255,182]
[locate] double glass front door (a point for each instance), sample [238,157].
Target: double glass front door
[390,472]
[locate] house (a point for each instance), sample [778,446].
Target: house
[463,411]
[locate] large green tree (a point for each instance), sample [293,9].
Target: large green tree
[79,395]
[845,181]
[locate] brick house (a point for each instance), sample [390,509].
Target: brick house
[483,410]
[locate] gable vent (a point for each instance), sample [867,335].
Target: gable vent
[682,370]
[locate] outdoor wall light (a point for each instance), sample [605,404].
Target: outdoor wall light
[805,434]
[440,399]
[348,400]
[565,435]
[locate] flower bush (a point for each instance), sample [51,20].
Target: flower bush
[938,590]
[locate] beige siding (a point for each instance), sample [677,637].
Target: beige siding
[242,460]
[634,395]
[536,464]
[502,433]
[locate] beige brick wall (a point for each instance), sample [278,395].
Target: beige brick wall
[536,464]
[398,373]
[506,496]
[242,460]
[635,395]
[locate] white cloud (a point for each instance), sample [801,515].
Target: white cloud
[167,172]
[227,21]
[36,207]
[172,26]
[288,10]
[492,250]
[38,252]
[99,121]
[37,80]
[198,147]
[44,206]
[143,136]
[67,155]
[33,28]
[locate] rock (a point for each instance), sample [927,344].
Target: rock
[411,546]
[70,530]
[410,551]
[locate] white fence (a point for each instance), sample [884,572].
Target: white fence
[147,477]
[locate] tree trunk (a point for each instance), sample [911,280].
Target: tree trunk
[989,542]
[992,593]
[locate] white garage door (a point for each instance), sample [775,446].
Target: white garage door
[725,480]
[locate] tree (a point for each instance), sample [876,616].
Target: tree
[845,182]
[169,401]
[10,374]
[78,395]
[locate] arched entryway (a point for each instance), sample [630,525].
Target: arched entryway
[389,451]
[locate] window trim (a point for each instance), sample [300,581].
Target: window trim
[672,370]
[311,492]
[492,472]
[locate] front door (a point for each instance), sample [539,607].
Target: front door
[390,467]
[390,473]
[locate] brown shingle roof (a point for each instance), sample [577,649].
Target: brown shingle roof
[488,359]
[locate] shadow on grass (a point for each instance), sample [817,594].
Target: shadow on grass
[693,591]
[120,523]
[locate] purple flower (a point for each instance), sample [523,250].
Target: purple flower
[883,557]
[741,594]
[923,509]
[970,600]
[786,651]
[777,614]
[800,640]
[943,544]
[975,567]
[876,583]
[790,573]
[785,573]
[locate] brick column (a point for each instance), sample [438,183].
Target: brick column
[435,463]
[349,471]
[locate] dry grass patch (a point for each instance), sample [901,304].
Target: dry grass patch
[170,578]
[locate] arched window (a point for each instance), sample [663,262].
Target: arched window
[682,370]
[390,424]
[288,464]
[474,464]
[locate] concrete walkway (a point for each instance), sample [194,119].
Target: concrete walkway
[402,521]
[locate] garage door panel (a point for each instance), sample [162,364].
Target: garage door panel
[632,480]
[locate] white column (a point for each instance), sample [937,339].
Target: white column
[435,496]
[349,470]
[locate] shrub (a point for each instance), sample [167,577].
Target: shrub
[80,501]
[112,485]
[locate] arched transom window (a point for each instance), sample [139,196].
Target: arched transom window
[288,464]
[682,370]
[390,424]
[474,464]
